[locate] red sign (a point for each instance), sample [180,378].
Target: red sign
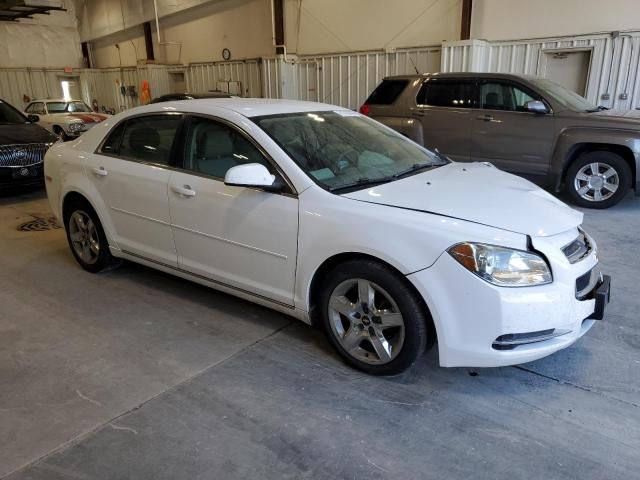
[68,69]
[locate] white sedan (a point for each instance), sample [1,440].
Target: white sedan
[66,118]
[330,217]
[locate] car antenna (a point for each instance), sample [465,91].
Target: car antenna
[414,66]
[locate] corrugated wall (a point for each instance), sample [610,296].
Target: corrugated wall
[35,83]
[613,70]
[242,78]
[344,79]
[104,85]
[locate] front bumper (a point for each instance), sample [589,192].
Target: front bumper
[472,316]
[11,177]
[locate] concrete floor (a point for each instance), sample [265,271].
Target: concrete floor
[136,374]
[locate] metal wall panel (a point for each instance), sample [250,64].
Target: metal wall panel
[347,79]
[202,77]
[104,84]
[35,83]
[613,69]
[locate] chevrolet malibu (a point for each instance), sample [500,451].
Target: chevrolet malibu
[330,217]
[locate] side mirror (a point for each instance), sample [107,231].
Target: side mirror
[252,175]
[33,118]
[535,106]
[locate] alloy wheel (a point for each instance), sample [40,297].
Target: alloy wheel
[84,237]
[596,182]
[366,321]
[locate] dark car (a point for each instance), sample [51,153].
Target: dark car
[23,144]
[189,96]
[526,125]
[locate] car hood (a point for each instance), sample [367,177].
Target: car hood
[25,133]
[480,193]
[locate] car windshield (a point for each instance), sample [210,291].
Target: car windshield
[343,150]
[61,107]
[564,96]
[9,115]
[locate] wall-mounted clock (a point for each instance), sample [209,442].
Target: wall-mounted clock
[226,53]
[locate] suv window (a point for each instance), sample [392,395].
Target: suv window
[212,148]
[504,96]
[148,138]
[387,92]
[447,93]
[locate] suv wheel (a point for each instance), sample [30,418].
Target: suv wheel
[373,318]
[598,179]
[86,238]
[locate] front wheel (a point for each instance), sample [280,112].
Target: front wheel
[598,179]
[374,320]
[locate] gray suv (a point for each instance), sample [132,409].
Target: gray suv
[525,125]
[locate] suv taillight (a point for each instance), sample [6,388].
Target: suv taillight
[365,109]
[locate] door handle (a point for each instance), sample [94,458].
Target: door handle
[184,191]
[99,171]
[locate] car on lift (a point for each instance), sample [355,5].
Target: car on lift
[23,144]
[333,218]
[169,97]
[525,125]
[66,118]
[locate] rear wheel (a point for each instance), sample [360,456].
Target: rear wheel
[598,179]
[86,238]
[372,317]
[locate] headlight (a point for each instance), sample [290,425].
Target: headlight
[75,127]
[502,266]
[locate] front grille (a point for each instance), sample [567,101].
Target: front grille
[578,249]
[22,155]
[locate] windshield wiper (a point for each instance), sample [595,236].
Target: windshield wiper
[416,167]
[362,182]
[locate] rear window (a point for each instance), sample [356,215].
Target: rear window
[387,92]
[447,93]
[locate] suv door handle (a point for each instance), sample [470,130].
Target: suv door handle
[184,191]
[99,171]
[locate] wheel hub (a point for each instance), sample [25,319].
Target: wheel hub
[366,321]
[596,182]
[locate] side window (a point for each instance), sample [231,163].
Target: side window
[504,96]
[149,138]
[112,143]
[212,148]
[37,108]
[447,93]
[387,92]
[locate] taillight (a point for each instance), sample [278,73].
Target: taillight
[365,109]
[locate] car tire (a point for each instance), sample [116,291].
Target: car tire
[86,238]
[385,333]
[592,176]
[61,133]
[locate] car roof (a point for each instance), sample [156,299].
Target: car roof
[249,107]
[506,76]
[65,100]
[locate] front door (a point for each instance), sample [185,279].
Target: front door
[241,237]
[444,107]
[131,173]
[507,135]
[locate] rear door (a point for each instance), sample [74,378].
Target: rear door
[131,173]
[444,106]
[506,134]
